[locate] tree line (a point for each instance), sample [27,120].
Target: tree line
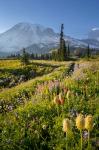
[63,53]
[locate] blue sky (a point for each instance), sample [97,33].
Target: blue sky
[78,16]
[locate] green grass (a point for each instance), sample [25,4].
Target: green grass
[21,93]
[13,70]
[37,124]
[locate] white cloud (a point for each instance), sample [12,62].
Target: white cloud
[94,29]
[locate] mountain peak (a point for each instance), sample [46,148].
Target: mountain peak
[26,34]
[26,25]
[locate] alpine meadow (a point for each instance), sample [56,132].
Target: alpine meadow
[49,75]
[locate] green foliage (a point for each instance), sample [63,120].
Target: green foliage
[68,51]
[11,72]
[88,52]
[61,53]
[25,57]
[36,124]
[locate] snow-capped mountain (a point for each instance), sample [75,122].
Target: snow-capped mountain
[24,35]
[93,38]
[31,36]
[35,38]
[92,42]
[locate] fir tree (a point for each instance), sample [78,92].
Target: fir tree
[25,57]
[88,51]
[61,36]
[62,53]
[32,56]
[68,51]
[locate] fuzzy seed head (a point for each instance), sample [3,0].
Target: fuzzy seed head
[89,122]
[56,100]
[68,94]
[80,122]
[66,125]
[60,95]
[61,99]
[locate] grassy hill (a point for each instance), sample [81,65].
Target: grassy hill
[32,111]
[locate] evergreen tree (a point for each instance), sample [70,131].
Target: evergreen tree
[61,36]
[25,57]
[32,56]
[88,51]
[68,51]
[62,53]
[36,56]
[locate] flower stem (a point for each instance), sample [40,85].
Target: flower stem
[81,138]
[66,142]
[58,110]
[62,108]
[88,139]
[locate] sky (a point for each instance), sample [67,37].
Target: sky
[78,16]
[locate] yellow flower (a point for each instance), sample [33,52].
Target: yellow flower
[66,125]
[89,122]
[68,94]
[80,122]
[60,96]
